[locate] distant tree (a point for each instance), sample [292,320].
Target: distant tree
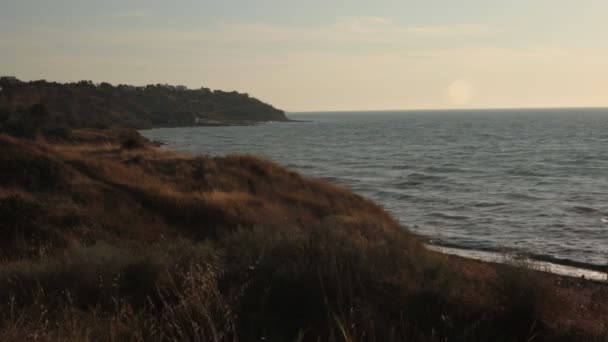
[85,83]
[105,85]
[38,83]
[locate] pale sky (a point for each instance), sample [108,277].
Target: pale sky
[323,54]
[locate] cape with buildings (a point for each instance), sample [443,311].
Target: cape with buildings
[86,104]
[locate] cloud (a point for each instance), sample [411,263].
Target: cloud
[454,30]
[133,14]
[350,31]
[361,24]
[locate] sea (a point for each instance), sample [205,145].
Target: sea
[530,182]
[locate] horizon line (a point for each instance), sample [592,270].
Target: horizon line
[446,109]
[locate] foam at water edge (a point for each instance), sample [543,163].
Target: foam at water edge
[568,271]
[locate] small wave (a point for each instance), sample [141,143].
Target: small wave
[604,219]
[450,217]
[423,176]
[404,197]
[489,204]
[391,194]
[415,179]
[583,209]
[444,169]
[336,180]
[521,196]
[491,135]
[526,173]
[400,167]
[301,166]
[406,184]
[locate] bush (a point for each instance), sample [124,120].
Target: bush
[131,140]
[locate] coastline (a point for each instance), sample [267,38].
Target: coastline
[546,263]
[225,124]
[531,263]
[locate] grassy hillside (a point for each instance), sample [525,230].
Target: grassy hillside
[25,107]
[108,238]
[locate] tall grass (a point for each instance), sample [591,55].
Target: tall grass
[278,284]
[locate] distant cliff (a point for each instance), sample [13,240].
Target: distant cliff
[88,105]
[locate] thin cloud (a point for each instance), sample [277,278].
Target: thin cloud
[133,14]
[454,30]
[350,30]
[346,30]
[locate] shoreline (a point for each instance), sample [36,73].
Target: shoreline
[533,264]
[513,254]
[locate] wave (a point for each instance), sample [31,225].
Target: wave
[521,196]
[303,166]
[584,209]
[526,173]
[389,193]
[444,169]
[491,135]
[489,204]
[400,167]
[417,178]
[423,176]
[450,217]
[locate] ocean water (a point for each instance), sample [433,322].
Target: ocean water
[525,181]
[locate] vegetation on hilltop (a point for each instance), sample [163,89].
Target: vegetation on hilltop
[107,238]
[88,105]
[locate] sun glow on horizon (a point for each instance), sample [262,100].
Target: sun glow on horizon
[460,92]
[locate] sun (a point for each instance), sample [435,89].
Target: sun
[460,92]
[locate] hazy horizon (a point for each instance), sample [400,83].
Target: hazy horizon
[324,55]
[459,109]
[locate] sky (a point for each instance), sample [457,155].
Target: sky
[319,55]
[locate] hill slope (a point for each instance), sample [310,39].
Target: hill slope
[110,238]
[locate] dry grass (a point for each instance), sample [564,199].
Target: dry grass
[106,241]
